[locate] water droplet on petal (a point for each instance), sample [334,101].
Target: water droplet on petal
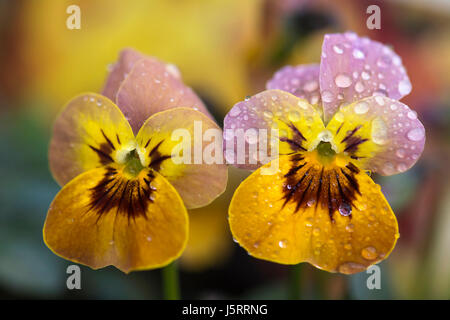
[400,153]
[365,75]
[358,54]
[311,86]
[361,107]
[343,81]
[235,111]
[404,87]
[369,253]
[338,49]
[327,96]
[379,132]
[282,243]
[359,87]
[412,115]
[416,134]
[345,209]
[351,267]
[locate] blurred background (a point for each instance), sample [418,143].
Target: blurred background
[226,50]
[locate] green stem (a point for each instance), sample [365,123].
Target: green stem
[170,282]
[294,282]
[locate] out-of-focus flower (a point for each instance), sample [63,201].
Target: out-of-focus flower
[207,39]
[320,206]
[125,195]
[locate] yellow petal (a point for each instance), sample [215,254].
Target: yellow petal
[90,132]
[334,217]
[102,218]
[197,181]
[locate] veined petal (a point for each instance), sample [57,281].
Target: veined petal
[185,147]
[248,137]
[119,71]
[102,218]
[334,217]
[89,132]
[353,68]
[302,81]
[153,86]
[380,134]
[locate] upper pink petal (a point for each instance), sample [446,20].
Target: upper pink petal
[119,71]
[142,85]
[302,81]
[353,68]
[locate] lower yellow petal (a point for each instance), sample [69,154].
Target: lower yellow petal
[334,217]
[101,218]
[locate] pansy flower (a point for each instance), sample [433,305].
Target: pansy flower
[125,196]
[336,122]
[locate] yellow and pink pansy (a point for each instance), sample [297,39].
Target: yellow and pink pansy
[124,197]
[335,121]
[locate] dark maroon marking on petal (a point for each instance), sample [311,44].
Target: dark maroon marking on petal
[156,161]
[294,145]
[118,139]
[155,148]
[350,134]
[103,153]
[297,134]
[107,140]
[332,189]
[115,191]
[146,145]
[340,127]
[350,166]
[353,144]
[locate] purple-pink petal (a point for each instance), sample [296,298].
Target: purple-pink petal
[302,81]
[119,71]
[153,86]
[355,67]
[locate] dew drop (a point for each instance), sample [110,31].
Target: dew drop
[412,115]
[316,232]
[338,49]
[343,81]
[345,209]
[365,75]
[404,87]
[358,54]
[351,267]
[350,227]
[282,243]
[369,253]
[311,86]
[361,107]
[359,87]
[327,96]
[400,153]
[379,131]
[416,134]
[235,111]
[339,117]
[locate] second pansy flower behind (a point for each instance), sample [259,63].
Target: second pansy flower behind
[124,198]
[335,121]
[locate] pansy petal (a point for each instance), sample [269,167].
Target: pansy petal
[185,146]
[353,68]
[153,86]
[380,134]
[90,132]
[302,81]
[119,72]
[102,218]
[334,217]
[248,137]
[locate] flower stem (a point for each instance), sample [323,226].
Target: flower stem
[171,285]
[294,282]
